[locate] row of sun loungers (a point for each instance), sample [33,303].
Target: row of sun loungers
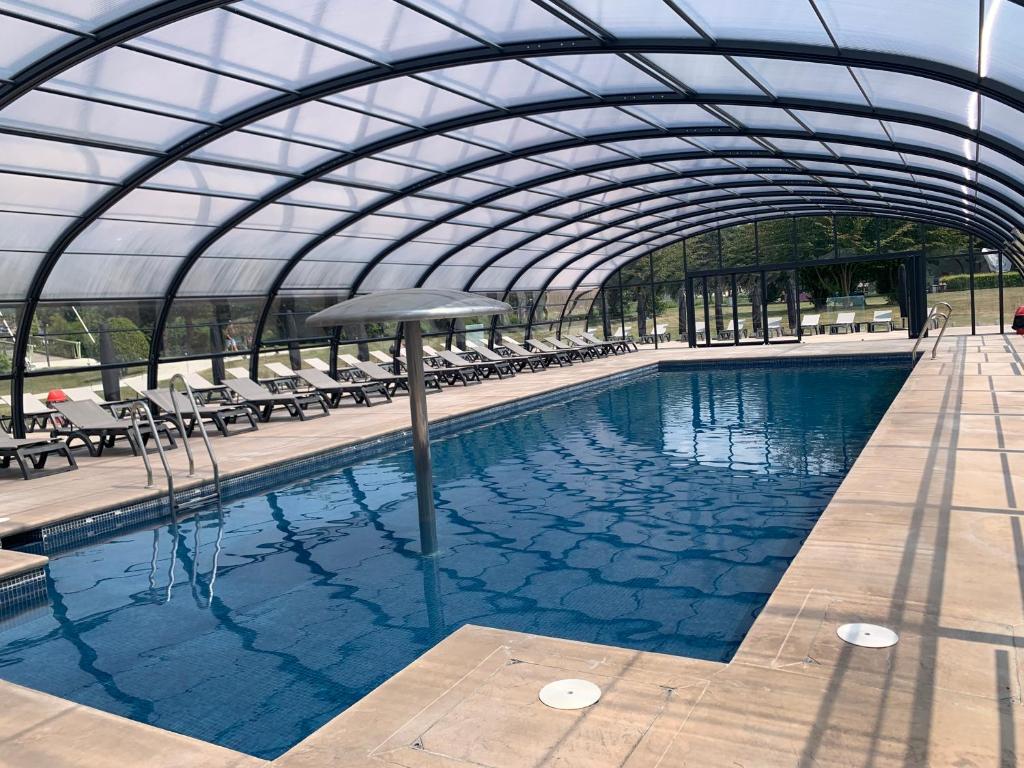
[239,404]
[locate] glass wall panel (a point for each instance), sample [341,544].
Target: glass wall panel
[199,327]
[702,252]
[547,313]
[949,280]
[775,241]
[986,290]
[9,314]
[783,305]
[856,235]
[670,306]
[720,306]
[739,246]
[1013,296]
[749,306]
[112,384]
[897,236]
[815,238]
[578,311]
[85,334]
[638,318]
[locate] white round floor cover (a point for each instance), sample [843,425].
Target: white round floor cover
[570,694]
[868,635]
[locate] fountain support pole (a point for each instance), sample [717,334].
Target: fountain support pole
[420,437]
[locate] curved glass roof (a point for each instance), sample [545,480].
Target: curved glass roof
[211,148]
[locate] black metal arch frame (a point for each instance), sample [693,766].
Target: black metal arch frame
[772,214]
[732,213]
[611,165]
[735,221]
[172,10]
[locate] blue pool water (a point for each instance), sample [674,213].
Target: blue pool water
[658,515]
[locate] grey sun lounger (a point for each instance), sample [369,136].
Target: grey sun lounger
[603,348]
[563,356]
[335,390]
[503,366]
[87,420]
[394,381]
[251,393]
[625,345]
[30,454]
[520,362]
[222,415]
[547,357]
[581,353]
[451,361]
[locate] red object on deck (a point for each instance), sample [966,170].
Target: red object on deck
[1018,321]
[56,396]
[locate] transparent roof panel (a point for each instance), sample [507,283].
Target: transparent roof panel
[378,173]
[769,118]
[587,122]
[390,33]
[22,153]
[51,113]
[786,20]
[502,83]
[653,18]
[409,100]
[512,134]
[438,152]
[676,115]
[82,15]
[601,73]
[22,42]
[804,79]
[263,152]
[87,276]
[705,73]
[1000,56]
[909,93]
[126,77]
[941,30]
[216,180]
[501,22]
[325,124]
[231,43]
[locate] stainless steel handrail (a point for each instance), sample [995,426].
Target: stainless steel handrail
[133,408]
[202,430]
[942,329]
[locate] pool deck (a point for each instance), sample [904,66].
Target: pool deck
[925,535]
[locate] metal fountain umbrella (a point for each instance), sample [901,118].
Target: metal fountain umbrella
[408,306]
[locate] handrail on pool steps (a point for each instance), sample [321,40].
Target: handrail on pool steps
[932,314]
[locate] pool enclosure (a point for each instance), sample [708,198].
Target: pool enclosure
[187,180]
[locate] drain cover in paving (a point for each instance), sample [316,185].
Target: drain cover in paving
[570,694]
[868,635]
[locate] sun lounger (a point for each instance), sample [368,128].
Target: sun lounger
[221,415]
[567,356]
[373,372]
[548,357]
[520,362]
[35,412]
[626,345]
[845,321]
[575,352]
[86,420]
[485,368]
[30,454]
[810,324]
[463,370]
[318,364]
[335,390]
[602,348]
[206,390]
[265,401]
[388,362]
[882,317]
[699,329]
[729,331]
[774,326]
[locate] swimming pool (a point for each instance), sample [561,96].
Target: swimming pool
[657,514]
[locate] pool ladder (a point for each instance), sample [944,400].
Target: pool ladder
[140,407]
[938,315]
